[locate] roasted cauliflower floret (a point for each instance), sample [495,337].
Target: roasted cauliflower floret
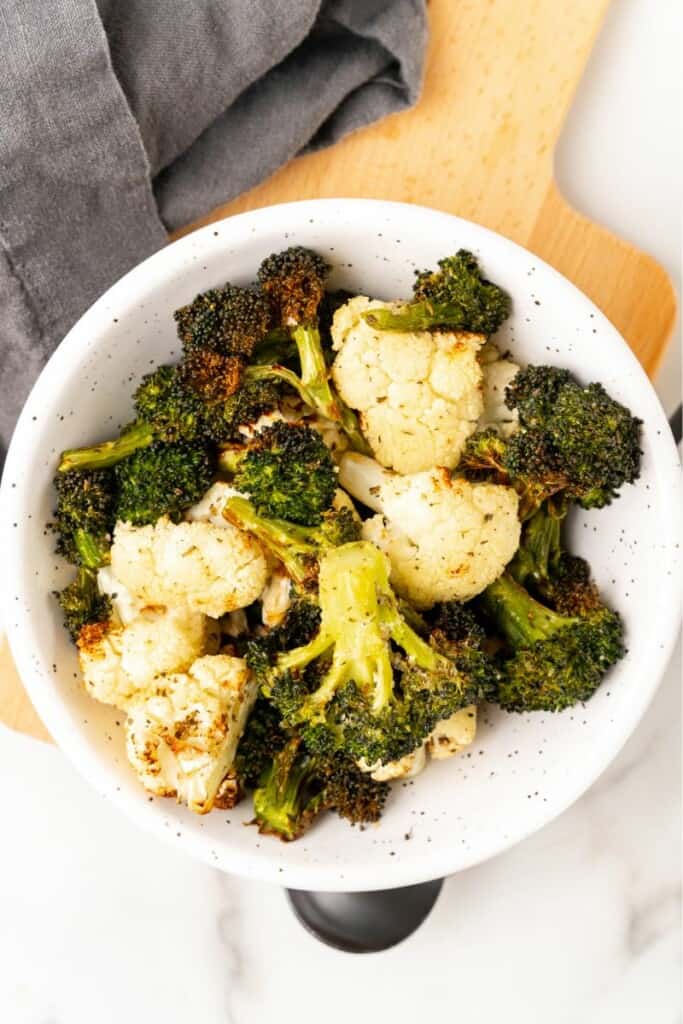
[446,538]
[453,734]
[498,373]
[182,737]
[406,767]
[206,568]
[118,662]
[418,394]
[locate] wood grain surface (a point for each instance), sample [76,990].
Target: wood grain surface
[500,78]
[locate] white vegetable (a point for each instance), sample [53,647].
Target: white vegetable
[124,606]
[275,599]
[206,568]
[405,768]
[453,734]
[446,538]
[119,662]
[182,738]
[418,394]
[209,509]
[498,373]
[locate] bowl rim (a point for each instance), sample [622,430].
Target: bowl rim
[51,709]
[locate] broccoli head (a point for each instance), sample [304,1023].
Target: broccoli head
[229,320]
[456,297]
[288,472]
[297,786]
[583,434]
[82,604]
[575,442]
[262,739]
[211,375]
[298,547]
[163,479]
[294,281]
[366,684]
[84,517]
[556,660]
[166,411]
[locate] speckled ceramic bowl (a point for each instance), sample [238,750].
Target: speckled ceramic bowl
[522,771]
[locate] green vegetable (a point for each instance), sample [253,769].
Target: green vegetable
[297,547]
[84,517]
[456,297]
[163,479]
[228,320]
[574,442]
[298,785]
[557,660]
[81,602]
[366,684]
[287,471]
[294,281]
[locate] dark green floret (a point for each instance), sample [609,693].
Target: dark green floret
[84,517]
[297,786]
[287,472]
[164,479]
[556,660]
[294,281]
[229,320]
[299,548]
[575,442]
[81,602]
[262,739]
[366,684]
[455,297]
[166,410]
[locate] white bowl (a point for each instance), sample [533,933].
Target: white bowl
[522,771]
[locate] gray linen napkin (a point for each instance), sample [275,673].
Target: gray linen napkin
[123,119]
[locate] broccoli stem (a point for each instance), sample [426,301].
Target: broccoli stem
[360,614]
[351,579]
[417,316]
[101,456]
[93,551]
[275,347]
[540,548]
[522,620]
[293,545]
[313,386]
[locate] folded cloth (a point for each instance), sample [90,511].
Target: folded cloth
[124,120]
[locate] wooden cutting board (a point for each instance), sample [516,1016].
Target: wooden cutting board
[500,77]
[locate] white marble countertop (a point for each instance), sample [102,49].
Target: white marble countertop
[99,922]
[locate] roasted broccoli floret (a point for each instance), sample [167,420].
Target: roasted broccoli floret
[163,479]
[297,547]
[166,411]
[262,739]
[456,632]
[556,660]
[297,786]
[366,684]
[287,471]
[591,439]
[82,603]
[229,320]
[456,296]
[573,441]
[84,517]
[294,281]
[210,375]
